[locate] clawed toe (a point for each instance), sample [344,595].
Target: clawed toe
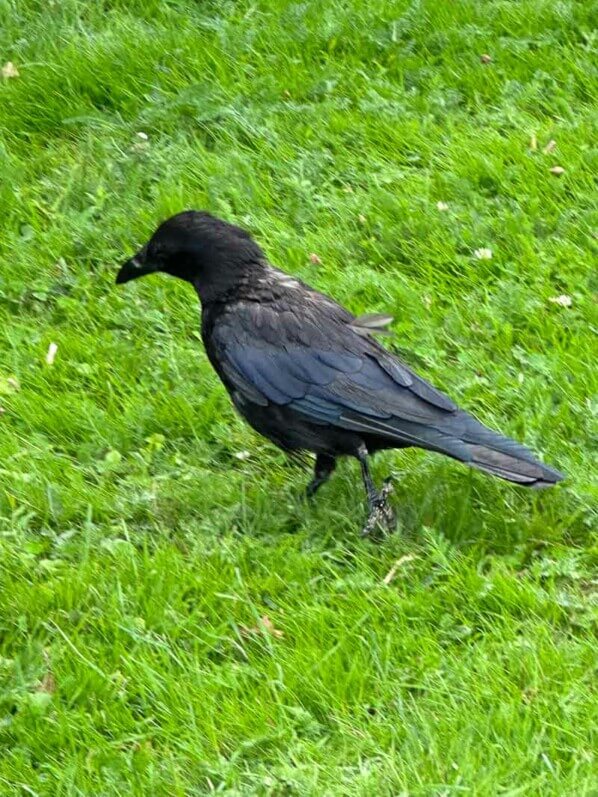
[382,518]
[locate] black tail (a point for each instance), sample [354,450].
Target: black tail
[462,437]
[503,457]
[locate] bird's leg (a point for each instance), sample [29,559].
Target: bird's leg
[381,514]
[323,467]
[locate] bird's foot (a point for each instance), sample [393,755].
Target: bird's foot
[324,466]
[382,519]
[311,489]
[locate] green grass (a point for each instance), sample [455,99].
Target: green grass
[138,554]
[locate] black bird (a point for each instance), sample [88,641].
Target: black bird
[306,373]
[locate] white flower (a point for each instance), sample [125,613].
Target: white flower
[483,254]
[563,300]
[9,70]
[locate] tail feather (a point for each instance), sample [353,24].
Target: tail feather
[493,453]
[462,437]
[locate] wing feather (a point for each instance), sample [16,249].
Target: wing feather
[330,374]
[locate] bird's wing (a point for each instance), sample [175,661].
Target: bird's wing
[320,366]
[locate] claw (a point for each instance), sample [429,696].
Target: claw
[382,517]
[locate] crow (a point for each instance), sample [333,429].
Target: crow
[310,376]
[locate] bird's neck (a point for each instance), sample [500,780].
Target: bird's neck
[228,281]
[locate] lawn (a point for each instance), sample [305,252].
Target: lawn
[174,618]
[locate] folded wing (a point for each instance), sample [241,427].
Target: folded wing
[345,379]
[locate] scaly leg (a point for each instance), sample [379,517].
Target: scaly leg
[381,514]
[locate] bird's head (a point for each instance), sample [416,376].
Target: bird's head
[197,247]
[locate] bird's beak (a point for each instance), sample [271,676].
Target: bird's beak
[137,266]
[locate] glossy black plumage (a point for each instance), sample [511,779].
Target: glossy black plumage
[304,371]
